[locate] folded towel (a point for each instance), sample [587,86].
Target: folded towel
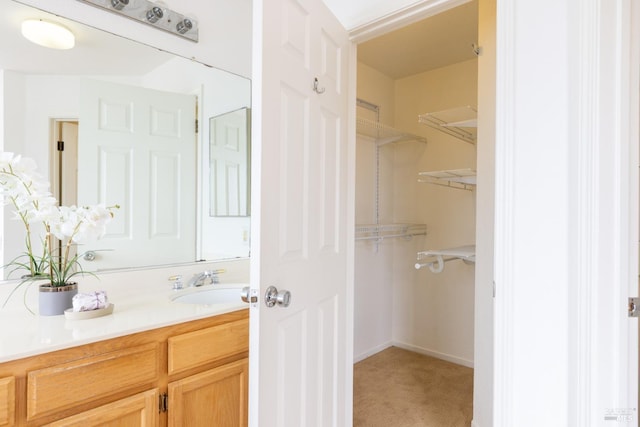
[90,301]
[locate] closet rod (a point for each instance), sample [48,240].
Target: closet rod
[432,263]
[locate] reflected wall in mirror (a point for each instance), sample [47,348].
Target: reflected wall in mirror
[134,109]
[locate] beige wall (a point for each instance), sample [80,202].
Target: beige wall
[433,313]
[420,310]
[378,89]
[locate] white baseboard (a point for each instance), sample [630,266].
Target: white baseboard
[371,352]
[448,357]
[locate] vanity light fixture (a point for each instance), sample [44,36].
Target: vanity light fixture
[150,13]
[119,4]
[48,34]
[184,26]
[154,14]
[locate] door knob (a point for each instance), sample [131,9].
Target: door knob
[272,297]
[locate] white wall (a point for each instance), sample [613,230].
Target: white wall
[11,85]
[483,354]
[373,262]
[29,103]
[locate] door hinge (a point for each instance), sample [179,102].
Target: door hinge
[60,145]
[197,125]
[163,402]
[633,309]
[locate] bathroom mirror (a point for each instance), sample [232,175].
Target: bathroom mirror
[44,91]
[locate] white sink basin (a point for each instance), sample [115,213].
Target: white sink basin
[208,295]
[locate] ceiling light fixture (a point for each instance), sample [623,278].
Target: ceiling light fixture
[48,34]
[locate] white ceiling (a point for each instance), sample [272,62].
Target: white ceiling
[353,13]
[96,52]
[440,40]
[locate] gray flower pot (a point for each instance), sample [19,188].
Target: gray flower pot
[54,300]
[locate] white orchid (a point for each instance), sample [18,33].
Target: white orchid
[80,224]
[22,186]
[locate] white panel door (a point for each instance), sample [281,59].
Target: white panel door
[137,149]
[301,355]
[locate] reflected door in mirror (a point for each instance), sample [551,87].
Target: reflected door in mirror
[143,142]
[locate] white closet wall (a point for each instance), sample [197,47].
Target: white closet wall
[373,263]
[396,304]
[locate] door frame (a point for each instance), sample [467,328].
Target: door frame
[586,60]
[484,308]
[580,386]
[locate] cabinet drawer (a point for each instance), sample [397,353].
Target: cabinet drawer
[7,401]
[197,348]
[80,381]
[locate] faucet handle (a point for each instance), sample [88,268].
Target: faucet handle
[177,281]
[215,278]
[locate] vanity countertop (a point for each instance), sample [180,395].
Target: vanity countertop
[136,308]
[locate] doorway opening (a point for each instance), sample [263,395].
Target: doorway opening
[64,160]
[415,191]
[63,153]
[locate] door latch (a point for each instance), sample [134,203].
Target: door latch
[633,309]
[249,295]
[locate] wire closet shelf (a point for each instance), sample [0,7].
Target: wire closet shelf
[381,135]
[461,179]
[384,134]
[460,122]
[380,232]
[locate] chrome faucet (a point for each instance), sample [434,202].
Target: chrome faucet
[201,278]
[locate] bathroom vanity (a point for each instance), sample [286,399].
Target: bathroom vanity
[192,373]
[162,358]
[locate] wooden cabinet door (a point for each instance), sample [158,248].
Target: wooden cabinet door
[140,410]
[217,397]
[7,401]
